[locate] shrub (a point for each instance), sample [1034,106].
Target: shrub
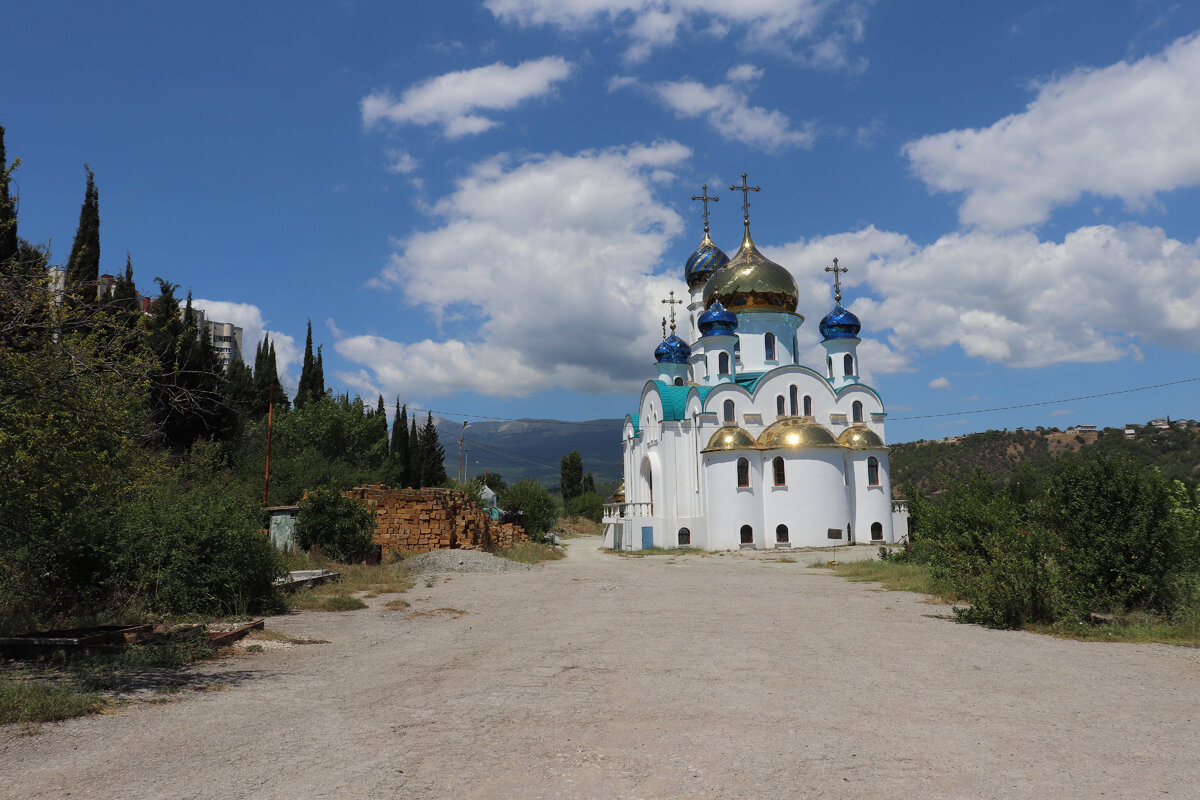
[529,504]
[339,525]
[588,505]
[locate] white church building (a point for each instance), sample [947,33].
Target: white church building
[735,443]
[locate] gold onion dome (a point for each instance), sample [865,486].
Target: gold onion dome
[795,432]
[752,282]
[730,438]
[860,437]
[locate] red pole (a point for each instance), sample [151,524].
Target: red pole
[270,415]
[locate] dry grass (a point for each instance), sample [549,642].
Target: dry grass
[574,527]
[658,551]
[532,553]
[399,604]
[892,577]
[435,612]
[357,581]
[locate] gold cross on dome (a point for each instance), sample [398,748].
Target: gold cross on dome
[837,280]
[745,189]
[672,302]
[664,328]
[704,197]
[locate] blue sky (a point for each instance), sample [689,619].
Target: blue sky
[480,204]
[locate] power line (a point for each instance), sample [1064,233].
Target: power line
[1048,402]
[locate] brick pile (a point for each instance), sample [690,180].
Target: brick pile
[420,520]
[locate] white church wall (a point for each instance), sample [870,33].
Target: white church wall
[812,501]
[752,329]
[871,503]
[731,507]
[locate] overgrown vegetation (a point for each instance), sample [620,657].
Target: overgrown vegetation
[337,526]
[532,553]
[43,701]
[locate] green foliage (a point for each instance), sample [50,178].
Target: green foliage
[589,483]
[432,455]
[571,476]
[8,212]
[40,701]
[340,526]
[529,504]
[532,553]
[588,505]
[83,265]
[397,475]
[309,389]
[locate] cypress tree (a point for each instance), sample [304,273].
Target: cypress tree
[571,475]
[433,455]
[589,483]
[304,392]
[318,380]
[399,455]
[413,462]
[83,265]
[8,209]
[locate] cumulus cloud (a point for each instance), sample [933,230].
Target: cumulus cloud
[453,100]
[1126,131]
[726,109]
[1012,298]
[249,318]
[543,267]
[400,162]
[940,383]
[818,32]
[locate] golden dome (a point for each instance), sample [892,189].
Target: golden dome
[619,494]
[730,437]
[795,432]
[860,437]
[752,282]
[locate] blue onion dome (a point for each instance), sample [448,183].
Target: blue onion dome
[840,324]
[673,350]
[752,282]
[707,259]
[717,321]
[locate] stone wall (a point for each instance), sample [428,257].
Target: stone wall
[419,520]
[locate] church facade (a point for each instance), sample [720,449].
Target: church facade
[735,443]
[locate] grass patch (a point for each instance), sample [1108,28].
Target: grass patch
[574,527]
[657,551]
[38,701]
[399,604]
[1134,627]
[367,580]
[532,553]
[893,577]
[313,601]
[434,612]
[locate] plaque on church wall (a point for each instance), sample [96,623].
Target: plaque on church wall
[835,533]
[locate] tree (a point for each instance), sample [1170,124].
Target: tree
[589,483]
[339,525]
[413,464]
[8,211]
[304,391]
[398,456]
[266,376]
[83,265]
[530,505]
[571,476]
[433,455]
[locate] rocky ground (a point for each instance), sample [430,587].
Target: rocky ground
[657,677]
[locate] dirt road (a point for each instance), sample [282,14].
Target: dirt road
[604,677]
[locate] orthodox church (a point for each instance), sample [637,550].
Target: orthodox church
[735,443]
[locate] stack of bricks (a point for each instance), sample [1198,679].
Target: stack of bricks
[419,520]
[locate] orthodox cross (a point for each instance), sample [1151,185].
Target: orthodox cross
[837,281]
[745,189]
[672,303]
[664,328]
[703,196]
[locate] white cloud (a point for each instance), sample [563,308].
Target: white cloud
[453,100]
[1126,131]
[400,162]
[726,109]
[1012,298]
[816,32]
[542,269]
[1062,412]
[250,319]
[940,383]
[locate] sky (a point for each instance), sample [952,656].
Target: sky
[481,205]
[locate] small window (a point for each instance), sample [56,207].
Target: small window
[807,406]
[747,534]
[729,412]
[876,531]
[856,411]
[737,350]
[829,365]
[723,364]
[781,534]
[780,473]
[796,349]
[769,346]
[779,407]
[793,395]
[743,469]
[834,533]
[873,471]
[848,364]
[679,381]
[685,537]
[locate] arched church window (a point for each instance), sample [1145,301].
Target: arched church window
[829,365]
[807,406]
[780,473]
[747,534]
[848,365]
[876,530]
[873,471]
[679,381]
[795,348]
[723,364]
[769,346]
[856,411]
[781,534]
[743,470]
[685,537]
[737,349]
[779,412]
[728,410]
[793,395]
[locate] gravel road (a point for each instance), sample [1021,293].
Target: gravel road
[608,677]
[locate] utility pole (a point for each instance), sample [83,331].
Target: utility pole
[461,434]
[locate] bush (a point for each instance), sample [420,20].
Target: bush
[588,505]
[530,505]
[340,526]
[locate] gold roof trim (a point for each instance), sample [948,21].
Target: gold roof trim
[730,437]
[795,433]
[860,437]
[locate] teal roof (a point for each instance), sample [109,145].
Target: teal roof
[749,380]
[674,400]
[636,430]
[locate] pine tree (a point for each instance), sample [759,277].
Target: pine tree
[8,209]
[304,392]
[265,376]
[432,456]
[83,265]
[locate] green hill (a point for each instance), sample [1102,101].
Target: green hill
[931,466]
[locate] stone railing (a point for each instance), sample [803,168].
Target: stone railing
[613,512]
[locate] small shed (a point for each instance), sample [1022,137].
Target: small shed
[282,528]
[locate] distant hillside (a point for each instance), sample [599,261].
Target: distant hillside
[532,448]
[933,466]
